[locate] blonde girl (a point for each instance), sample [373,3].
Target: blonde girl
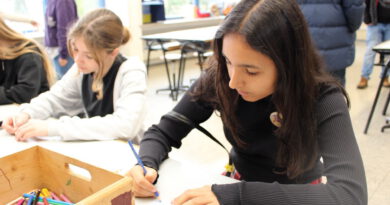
[100,98]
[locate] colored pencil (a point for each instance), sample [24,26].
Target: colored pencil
[51,201]
[156,194]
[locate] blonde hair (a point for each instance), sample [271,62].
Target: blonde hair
[20,45]
[101,30]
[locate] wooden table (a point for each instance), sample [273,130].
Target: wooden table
[116,156]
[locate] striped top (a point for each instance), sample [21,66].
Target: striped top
[342,162]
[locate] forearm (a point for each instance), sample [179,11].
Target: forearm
[17,18]
[64,98]
[26,71]
[3,97]
[95,128]
[276,194]
[154,148]
[17,94]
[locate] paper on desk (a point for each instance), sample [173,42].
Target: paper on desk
[44,138]
[151,201]
[177,177]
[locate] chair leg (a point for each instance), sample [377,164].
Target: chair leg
[386,104]
[385,126]
[376,99]
[148,61]
[200,60]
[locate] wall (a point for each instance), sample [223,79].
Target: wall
[130,12]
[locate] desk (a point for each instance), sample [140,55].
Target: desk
[7,110]
[175,176]
[383,49]
[191,40]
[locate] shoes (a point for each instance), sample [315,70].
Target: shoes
[364,83]
[386,83]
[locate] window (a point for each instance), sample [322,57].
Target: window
[178,9]
[84,6]
[27,8]
[186,8]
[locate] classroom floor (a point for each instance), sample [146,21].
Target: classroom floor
[374,146]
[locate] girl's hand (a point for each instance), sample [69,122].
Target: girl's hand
[202,195]
[12,123]
[143,186]
[62,61]
[32,128]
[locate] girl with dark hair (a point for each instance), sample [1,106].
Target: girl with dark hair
[281,113]
[107,88]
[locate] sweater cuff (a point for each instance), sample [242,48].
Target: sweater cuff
[53,128]
[25,108]
[227,193]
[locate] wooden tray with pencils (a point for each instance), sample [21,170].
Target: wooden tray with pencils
[37,168]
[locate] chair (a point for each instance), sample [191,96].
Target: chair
[387,67]
[387,124]
[176,84]
[164,46]
[173,86]
[384,113]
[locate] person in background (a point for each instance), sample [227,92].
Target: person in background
[107,88]
[60,14]
[25,69]
[18,18]
[377,18]
[281,114]
[333,26]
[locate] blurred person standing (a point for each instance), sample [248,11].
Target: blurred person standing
[377,18]
[333,25]
[60,14]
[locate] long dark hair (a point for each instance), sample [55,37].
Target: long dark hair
[276,29]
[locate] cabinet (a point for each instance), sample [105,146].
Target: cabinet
[153,11]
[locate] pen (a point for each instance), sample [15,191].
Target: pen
[156,194]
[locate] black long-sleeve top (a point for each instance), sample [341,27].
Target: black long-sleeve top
[22,78]
[375,12]
[342,162]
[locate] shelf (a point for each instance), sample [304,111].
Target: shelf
[152,3]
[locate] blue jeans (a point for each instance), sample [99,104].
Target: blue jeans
[62,70]
[375,35]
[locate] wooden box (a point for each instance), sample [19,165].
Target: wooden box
[37,168]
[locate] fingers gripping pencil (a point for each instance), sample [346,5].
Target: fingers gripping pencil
[156,194]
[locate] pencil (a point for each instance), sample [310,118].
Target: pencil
[36,197]
[156,194]
[45,201]
[137,157]
[51,201]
